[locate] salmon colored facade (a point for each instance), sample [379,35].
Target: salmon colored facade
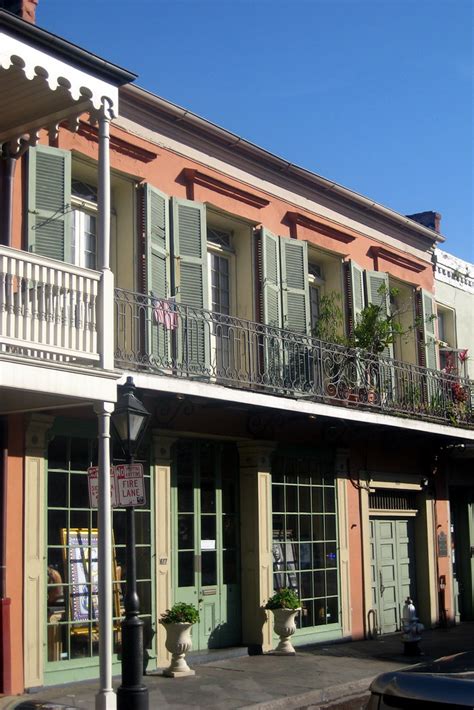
[273,458]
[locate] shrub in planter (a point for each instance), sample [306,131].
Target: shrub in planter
[178,621]
[180,613]
[284,599]
[284,604]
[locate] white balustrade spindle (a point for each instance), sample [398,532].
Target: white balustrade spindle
[47,308]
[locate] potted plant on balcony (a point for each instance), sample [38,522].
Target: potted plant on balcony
[178,622]
[284,604]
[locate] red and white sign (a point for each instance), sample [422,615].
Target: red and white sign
[130,484]
[93,483]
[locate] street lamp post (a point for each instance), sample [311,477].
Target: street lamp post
[129,421]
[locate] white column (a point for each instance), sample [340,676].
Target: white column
[105,698]
[106,291]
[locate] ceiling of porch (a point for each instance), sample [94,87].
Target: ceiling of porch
[45,80]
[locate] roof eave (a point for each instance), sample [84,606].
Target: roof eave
[235,142]
[118,76]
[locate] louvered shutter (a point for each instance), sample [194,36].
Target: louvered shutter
[428,312]
[268,253]
[296,312]
[356,296]
[378,293]
[49,202]
[157,234]
[190,282]
[271,280]
[295,285]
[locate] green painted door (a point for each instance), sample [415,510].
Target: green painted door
[393,569]
[206,563]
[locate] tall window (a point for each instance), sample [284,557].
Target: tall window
[316,284]
[84,225]
[72,593]
[305,537]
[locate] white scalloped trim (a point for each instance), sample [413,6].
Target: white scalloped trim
[58,74]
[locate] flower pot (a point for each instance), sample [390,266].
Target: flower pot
[178,643]
[284,626]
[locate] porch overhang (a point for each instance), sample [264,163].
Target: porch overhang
[218,393]
[31,385]
[45,80]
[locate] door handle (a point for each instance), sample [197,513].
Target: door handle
[382,588]
[200,601]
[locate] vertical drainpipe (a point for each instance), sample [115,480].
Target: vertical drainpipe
[6,199]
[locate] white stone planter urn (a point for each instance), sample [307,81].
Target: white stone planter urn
[178,643]
[284,626]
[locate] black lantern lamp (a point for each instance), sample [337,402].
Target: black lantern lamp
[129,422]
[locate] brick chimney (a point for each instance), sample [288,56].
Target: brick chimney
[26,9]
[429,219]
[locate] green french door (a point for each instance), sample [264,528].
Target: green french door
[393,569]
[206,560]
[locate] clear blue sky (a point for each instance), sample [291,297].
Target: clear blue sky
[374,94]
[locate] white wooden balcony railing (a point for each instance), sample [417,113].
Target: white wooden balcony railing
[48,309]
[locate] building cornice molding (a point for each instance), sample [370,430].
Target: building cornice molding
[193,177]
[394,258]
[322,226]
[144,101]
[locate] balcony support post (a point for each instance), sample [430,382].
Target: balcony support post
[105,321]
[105,699]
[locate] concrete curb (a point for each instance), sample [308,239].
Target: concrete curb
[321,696]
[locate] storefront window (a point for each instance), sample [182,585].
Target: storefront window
[305,537]
[72,592]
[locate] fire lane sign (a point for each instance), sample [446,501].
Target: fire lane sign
[127,485]
[130,484]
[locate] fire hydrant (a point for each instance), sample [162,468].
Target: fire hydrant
[411,634]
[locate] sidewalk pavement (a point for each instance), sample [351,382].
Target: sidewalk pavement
[316,675]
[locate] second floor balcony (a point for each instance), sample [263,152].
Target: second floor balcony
[167,338]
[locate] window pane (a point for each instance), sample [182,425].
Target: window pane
[185,569]
[209,568]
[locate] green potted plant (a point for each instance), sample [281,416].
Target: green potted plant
[178,622]
[284,604]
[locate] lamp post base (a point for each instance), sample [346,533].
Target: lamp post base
[132,698]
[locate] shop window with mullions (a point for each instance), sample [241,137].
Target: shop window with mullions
[72,593]
[305,537]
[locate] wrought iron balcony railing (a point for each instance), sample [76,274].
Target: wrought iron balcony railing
[164,337]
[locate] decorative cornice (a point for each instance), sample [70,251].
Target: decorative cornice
[117,144]
[316,224]
[196,177]
[394,258]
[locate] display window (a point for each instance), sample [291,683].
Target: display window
[72,612]
[305,538]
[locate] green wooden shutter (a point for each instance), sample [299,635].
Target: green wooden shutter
[295,285]
[190,282]
[271,280]
[49,202]
[428,312]
[157,236]
[356,294]
[271,307]
[378,293]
